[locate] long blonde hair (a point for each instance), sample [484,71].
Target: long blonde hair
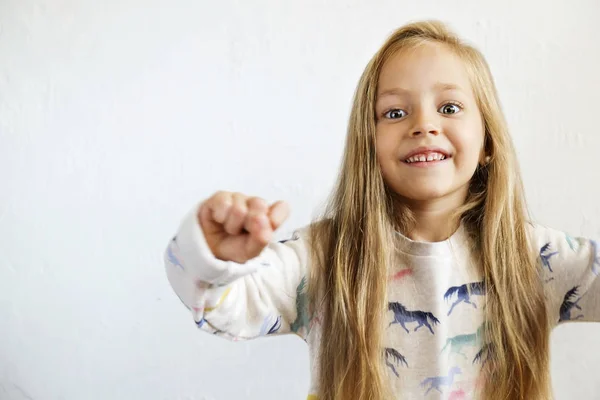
[352,246]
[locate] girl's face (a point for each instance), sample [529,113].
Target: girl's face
[429,129]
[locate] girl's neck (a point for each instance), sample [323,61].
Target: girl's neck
[434,221]
[433,227]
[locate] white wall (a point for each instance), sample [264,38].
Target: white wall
[117,116]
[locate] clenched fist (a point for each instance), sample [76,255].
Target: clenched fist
[238,227]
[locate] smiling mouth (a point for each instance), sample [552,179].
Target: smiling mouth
[427,157]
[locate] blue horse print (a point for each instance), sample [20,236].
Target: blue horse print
[403,316]
[437,381]
[464,293]
[568,304]
[545,256]
[396,357]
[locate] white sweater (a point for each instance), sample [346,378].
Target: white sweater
[433,346]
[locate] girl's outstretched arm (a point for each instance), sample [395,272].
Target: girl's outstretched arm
[570,269]
[262,296]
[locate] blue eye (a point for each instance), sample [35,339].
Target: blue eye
[450,108]
[395,114]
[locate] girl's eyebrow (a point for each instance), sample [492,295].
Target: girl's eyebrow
[443,87]
[438,87]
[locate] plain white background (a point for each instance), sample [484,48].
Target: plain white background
[117,116]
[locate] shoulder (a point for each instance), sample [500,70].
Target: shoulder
[545,239]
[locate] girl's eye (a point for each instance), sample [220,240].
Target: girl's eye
[450,108]
[395,114]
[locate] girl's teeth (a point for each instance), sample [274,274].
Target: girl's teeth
[429,157]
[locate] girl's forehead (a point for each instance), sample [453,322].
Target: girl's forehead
[428,66]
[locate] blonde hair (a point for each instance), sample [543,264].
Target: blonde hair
[353,244]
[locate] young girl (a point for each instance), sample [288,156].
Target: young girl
[424,279]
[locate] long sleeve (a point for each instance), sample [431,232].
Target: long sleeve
[570,268]
[264,296]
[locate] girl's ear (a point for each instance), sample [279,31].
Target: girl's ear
[486,150]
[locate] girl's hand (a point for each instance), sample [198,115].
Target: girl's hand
[238,227]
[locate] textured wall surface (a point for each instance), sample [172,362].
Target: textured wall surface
[117,116]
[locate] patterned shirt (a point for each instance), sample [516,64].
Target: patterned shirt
[434,321]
